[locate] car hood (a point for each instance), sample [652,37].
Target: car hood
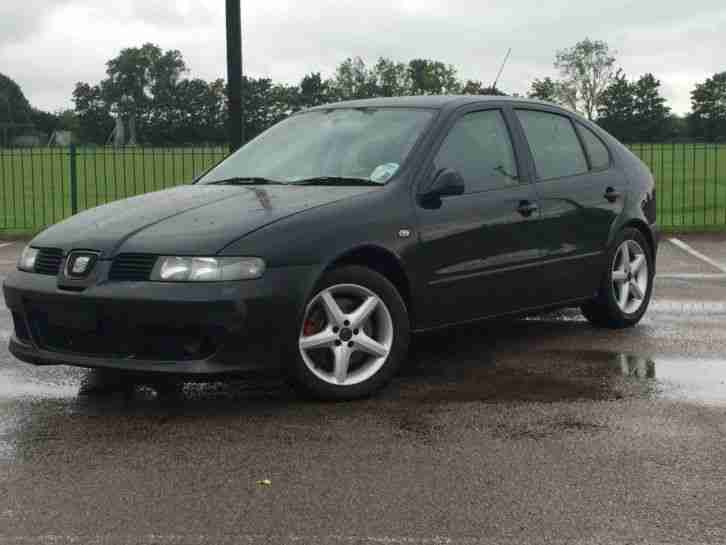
[186,220]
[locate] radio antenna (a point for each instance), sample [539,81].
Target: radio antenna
[501,68]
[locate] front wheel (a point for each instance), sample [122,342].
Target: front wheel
[627,286]
[353,336]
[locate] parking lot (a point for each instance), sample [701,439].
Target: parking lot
[541,430]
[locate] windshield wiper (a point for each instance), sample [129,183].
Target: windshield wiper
[247,180]
[336,180]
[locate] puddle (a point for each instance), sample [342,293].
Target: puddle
[700,380]
[556,376]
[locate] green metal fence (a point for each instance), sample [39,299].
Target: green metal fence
[691,183]
[40,186]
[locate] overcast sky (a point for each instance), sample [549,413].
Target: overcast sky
[48,45]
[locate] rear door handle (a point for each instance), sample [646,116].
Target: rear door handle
[611,194]
[527,208]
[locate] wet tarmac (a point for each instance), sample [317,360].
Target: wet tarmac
[542,430]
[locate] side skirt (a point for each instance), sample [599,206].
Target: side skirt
[515,314]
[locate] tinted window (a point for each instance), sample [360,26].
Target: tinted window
[556,149]
[480,149]
[599,155]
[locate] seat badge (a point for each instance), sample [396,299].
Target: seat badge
[79,264]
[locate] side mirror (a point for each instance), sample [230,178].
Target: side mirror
[448,183]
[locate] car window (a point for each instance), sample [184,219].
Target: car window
[555,147]
[364,143]
[599,154]
[480,149]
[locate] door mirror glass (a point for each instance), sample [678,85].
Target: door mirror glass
[448,183]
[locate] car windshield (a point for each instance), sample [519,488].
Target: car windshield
[342,145]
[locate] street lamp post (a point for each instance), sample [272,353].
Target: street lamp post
[234,74]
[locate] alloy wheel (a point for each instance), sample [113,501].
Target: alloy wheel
[630,276]
[347,335]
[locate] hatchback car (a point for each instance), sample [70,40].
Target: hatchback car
[321,245]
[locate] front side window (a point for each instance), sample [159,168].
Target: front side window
[555,146]
[370,144]
[480,149]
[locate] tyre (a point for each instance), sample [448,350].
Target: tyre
[627,284]
[353,336]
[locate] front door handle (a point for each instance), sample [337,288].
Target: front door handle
[527,208]
[611,194]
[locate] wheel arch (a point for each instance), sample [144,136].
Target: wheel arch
[381,260]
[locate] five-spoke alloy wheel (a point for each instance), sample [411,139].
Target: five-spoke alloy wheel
[358,340]
[627,286]
[353,336]
[630,276]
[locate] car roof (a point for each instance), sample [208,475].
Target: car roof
[432,102]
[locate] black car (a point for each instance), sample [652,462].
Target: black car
[321,245]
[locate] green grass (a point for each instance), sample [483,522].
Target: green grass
[690,182]
[35,183]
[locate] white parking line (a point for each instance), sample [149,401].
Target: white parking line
[690,276]
[176,539]
[4,244]
[695,253]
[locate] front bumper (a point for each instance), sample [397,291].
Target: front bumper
[183,329]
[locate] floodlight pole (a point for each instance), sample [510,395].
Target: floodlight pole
[234,74]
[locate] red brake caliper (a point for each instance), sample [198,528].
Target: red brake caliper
[309,328]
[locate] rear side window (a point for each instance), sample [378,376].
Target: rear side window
[599,154]
[555,146]
[480,149]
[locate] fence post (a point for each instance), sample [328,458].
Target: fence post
[74,179]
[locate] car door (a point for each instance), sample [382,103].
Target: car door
[477,249]
[580,196]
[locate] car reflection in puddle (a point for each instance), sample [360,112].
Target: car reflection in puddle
[699,380]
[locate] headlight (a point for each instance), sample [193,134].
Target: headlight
[27,259]
[207,269]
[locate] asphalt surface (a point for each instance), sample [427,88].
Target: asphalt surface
[542,430]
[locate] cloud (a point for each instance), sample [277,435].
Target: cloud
[70,40]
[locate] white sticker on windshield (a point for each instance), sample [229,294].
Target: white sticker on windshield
[383,173]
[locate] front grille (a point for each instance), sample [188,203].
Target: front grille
[98,336]
[132,267]
[49,261]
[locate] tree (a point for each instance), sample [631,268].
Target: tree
[14,107]
[146,87]
[474,87]
[429,77]
[635,111]
[651,119]
[94,117]
[45,122]
[392,78]
[587,70]
[312,91]
[616,111]
[140,79]
[708,100]
[353,80]
[265,103]
[195,113]
[544,89]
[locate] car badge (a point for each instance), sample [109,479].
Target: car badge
[80,264]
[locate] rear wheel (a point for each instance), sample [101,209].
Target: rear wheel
[627,286]
[353,337]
